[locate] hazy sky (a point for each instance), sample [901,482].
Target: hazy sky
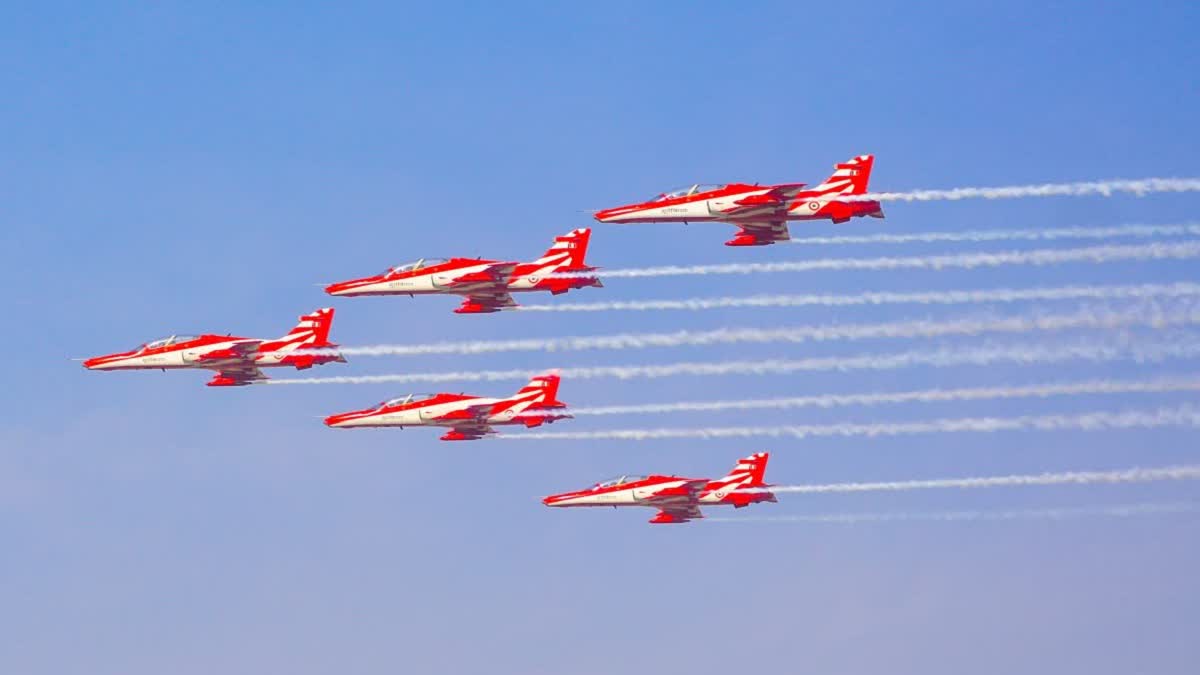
[174,167]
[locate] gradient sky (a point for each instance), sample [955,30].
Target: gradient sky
[175,167]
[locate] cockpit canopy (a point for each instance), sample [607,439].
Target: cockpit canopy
[696,189]
[412,266]
[166,342]
[619,480]
[411,398]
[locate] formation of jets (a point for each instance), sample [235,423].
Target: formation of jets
[761,213]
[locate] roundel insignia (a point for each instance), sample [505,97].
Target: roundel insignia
[814,205]
[533,279]
[720,494]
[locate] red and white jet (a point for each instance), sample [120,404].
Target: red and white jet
[237,360]
[468,417]
[761,211]
[487,284]
[677,499]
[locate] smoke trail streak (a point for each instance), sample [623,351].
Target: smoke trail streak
[1022,354]
[981,236]
[1038,257]
[1181,416]
[1160,385]
[924,328]
[1135,475]
[1127,292]
[1106,188]
[1123,510]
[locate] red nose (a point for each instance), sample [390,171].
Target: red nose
[339,287]
[349,287]
[95,361]
[334,420]
[553,500]
[604,214]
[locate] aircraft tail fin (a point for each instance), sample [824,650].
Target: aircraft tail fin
[544,389]
[849,177]
[307,344]
[313,329]
[749,471]
[537,402]
[568,251]
[566,257]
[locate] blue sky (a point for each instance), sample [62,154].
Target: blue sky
[175,167]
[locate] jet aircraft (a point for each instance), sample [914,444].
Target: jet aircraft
[760,211]
[468,417]
[237,360]
[677,499]
[487,284]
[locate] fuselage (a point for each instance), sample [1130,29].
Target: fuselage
[659,492]
[447,277]
[738,203]
[439,410]
[211,352]
[419,279]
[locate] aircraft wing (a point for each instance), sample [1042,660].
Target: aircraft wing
[468,432]
[762,204]
[678,503]
[787,191]
[689,491]
[760,233]
[677,514]
[236,376]
[496,274]
[486,302]
[469,413]
[238,351]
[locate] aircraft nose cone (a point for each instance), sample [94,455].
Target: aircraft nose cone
[335,289]
[553,500]
[93,363]
[614,215]
[335,420]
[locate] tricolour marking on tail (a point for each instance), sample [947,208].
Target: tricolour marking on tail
[542,390]
[849,178]
[313,329]
[749,471]
[537,402]
[568,251]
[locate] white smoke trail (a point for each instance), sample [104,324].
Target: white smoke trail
[1038,257]
[1105,188]
[1123,510]
[1181,416]
[1087,387]
[981,236]
[1024,354]
[924,328]
[998,295]
[1135,475]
